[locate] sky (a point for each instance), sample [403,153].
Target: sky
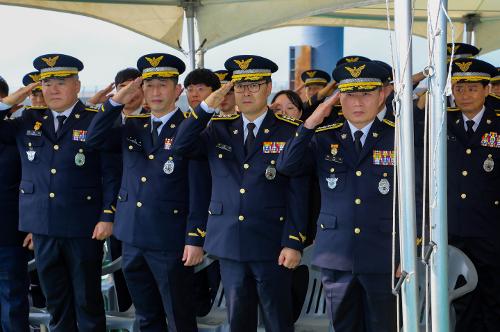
[105,48]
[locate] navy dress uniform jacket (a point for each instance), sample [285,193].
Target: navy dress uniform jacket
[251,216]
[153,206]
[60,195]
[355,222]
[473,188]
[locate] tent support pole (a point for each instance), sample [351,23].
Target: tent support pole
[437,169]
[190,14]
[406,162]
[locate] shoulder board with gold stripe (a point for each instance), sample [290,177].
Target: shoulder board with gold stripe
[220,117]
[38,108]
[494,96]
[390,123]
[453,109]
[91,109]
[140,116]
[497,112]
[330,127]
[288,119]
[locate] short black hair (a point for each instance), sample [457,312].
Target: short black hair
[292,96]
[126,74]
[202,76]
[4,88]
[484,83]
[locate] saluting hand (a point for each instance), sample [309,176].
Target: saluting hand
[20,95]
[192,255]
[216,97]
[321,112]
[28,241]
[289,258]
[102,230]
[102,95]
[327,90]
[127,93]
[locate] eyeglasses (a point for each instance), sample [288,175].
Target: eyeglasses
[253,87]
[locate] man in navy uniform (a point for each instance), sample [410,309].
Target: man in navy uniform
[317,88]
[36,96]
[254,226]
[354,161]
[495,83]
[228,105]
[14,305]
[493,100]
[66,195]
[160,244]
[473,194]
[456,51]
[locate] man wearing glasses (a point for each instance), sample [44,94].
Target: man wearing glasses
[254,226]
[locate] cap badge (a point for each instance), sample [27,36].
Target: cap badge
[243,64]
[356,71]
[51,62]
[154,61]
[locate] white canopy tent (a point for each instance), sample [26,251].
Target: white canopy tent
[218,21]
[480,16]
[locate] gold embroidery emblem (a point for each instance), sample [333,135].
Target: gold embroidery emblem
[221,76]
[35,77]
[51,62]
[243,64]
[355,71]
[311,74]
[464,66]
[154,61]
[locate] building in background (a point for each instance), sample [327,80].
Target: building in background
[320,48]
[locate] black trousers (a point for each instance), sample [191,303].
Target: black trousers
[248,285]
[479,310]
[359,303]
[161,288]
[70,276]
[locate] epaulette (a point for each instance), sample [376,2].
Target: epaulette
[389,122]
[329,127]
[92,109]
[453,109]
[288,119]
[494,96]
[220,117]
[141,116]
[36,108]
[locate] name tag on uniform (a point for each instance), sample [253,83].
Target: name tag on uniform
[224,147]
[134,141]
[335,159]
[34,133]
[384,157]
[168,143]
[491,140]
[79,135]
[273,147]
